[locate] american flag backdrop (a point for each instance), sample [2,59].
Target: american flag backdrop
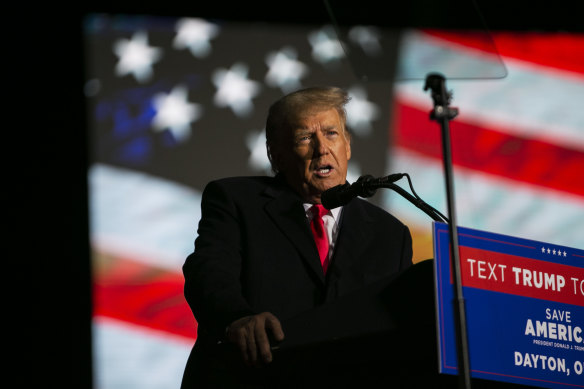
[174,102]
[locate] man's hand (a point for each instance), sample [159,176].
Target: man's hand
[251,337]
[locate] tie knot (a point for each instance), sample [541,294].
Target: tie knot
[319,209]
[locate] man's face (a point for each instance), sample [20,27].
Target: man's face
[315,158]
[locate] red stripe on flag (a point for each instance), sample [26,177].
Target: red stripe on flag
[560,50]
[492,151]
[142,295]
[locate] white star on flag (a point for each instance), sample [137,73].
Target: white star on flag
[256,143]
[360,111]
[195,34]
[175,113]
[136,56]
[285,71]
[235,90]
[367,38]
[325,46]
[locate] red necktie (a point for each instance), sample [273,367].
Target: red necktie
[319,232]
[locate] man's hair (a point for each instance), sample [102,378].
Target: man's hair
[284,113]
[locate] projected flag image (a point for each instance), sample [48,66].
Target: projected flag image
[174,102]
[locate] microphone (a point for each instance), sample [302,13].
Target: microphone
[365,186]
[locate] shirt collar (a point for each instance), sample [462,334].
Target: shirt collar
[335,212]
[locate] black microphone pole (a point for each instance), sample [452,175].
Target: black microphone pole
[442,113]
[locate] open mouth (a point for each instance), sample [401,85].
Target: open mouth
[323,170]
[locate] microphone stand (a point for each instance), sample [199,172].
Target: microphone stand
[442,113]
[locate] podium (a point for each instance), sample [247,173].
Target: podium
[383,336]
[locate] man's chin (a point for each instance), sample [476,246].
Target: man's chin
[319,189]
[312,190]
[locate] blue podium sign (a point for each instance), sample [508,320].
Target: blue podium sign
[524,304]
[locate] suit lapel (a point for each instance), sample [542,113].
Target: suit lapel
[354,236]
[285,209]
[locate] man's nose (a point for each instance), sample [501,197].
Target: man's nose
[321,145]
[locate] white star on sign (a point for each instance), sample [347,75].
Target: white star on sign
[136,57]
[367,38]
[360,111]
[235,90]
[174,113]
[256,143]
[284,70]
[195,34]
[325,46]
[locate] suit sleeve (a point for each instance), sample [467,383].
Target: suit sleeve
[213,271]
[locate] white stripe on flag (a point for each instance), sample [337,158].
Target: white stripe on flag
[421,53]
[487,203]
[128,356]
[532,101]
[142,217]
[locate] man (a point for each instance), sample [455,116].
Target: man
[256,262]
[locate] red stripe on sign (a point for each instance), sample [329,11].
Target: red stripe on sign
[145,296]
[560,50]
[521,276]
[492,151]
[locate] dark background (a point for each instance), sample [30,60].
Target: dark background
[44,47]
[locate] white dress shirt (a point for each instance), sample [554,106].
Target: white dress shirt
[331,224]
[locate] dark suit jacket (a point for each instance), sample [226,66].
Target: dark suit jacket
[255,252]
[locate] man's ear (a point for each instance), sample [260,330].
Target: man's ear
[348,143]
[275,158]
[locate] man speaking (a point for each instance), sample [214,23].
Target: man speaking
[267,250]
